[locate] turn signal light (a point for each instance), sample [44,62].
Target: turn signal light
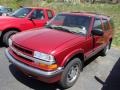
[48,67]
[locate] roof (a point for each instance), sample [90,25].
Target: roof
[36,7]
[92,14]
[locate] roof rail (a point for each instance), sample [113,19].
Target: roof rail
[90,13]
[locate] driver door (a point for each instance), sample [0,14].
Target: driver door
[38,18]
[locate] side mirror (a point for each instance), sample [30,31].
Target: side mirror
[97,32]
[30,18]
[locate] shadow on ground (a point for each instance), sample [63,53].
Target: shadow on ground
[31,82]
[113,80]
[36,84]
[92,59]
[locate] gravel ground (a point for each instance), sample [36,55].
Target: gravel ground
[99,73]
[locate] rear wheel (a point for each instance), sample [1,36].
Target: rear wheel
[106,49]
[71,73]
[7,35]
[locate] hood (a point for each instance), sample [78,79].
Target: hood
[43,40]
[7,19]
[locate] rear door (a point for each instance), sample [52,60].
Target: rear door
[99,41]
[107,29]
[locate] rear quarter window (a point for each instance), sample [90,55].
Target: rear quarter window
[106,24]
[111,23]
[50,14]
[97,24]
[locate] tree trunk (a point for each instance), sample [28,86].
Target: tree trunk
[114,1]
[93,1]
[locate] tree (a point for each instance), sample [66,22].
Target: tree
[91,1]
[115,1]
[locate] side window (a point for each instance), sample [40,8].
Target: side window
[37,14]
[49,13]
[97,24]
[106,25]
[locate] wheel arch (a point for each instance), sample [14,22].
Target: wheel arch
[8,29]
[76,54]
[110,40]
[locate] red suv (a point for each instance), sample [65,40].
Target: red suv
[23,19]
[57,52]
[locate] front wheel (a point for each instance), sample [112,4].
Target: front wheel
[7,35]
[71,73]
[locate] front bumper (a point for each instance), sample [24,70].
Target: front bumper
[45,76]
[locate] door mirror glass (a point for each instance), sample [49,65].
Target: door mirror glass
[31,17]
[97,32]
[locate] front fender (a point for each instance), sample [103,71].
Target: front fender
[5,26]
[70,55]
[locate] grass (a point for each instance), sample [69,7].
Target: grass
[112,10]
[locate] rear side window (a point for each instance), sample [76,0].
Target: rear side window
[50,14]
[97,24]
[111,23]
[106,24]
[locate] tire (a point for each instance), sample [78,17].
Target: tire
[66,75]
[106,49]
[7,35]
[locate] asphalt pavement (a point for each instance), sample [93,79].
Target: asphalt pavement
[99,73]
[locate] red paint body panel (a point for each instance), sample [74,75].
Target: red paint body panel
[22,24]
[63,45]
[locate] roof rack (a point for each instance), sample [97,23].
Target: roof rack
[90,13]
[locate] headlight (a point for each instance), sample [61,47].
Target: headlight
[43,56]
[10,42]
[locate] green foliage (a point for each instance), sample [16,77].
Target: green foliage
[49,1]
[108,9]
[112,10]
[19,0]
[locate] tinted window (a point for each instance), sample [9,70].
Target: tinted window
[74,23]
[49,13]
[106,25]
[38,14]
[112,23]
[97,24]
[21,13]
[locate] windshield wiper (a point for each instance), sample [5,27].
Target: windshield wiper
[63,29]
[59,28]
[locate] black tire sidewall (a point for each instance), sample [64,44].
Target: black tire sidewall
[63,81]
[104,51]
[7,35]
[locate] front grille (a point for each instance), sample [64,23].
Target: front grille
[22,50]
[23,57]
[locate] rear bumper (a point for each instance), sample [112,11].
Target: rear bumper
[46,76]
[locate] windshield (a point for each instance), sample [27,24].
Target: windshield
[21,13]
[70,23]
[2,9]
